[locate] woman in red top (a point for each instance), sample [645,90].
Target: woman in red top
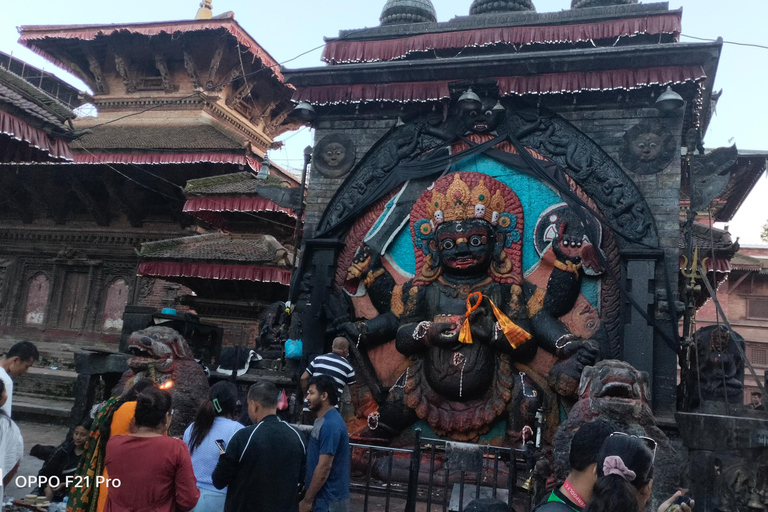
[154,471]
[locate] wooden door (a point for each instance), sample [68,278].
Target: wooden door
[73,296]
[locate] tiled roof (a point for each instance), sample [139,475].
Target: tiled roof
[239,183]
[219,248]
[245,184]
[705,238]
[34,102]
[748,263]
[198,136]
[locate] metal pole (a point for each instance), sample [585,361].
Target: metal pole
[413,475]
[300,211]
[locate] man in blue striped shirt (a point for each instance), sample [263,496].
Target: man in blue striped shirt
[333,364]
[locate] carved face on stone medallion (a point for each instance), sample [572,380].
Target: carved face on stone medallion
[465,247]
[334,155]
[647,148]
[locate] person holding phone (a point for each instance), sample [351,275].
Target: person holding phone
[207,438]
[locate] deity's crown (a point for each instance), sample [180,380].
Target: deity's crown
[460,203]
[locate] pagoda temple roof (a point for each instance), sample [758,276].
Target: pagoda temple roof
[210,198]
[750,165]
[222,256]
[524,30]
[745,263]
[35,120]
[46,39]
[518,18]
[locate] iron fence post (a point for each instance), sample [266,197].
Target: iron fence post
[413,474]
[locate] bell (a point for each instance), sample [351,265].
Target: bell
[264,171]
[669,101]
[528,484]
[304,111]
[469,100]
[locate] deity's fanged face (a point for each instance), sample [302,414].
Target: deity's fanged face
[334,154]
[647,147]
[466,246]
[486,118]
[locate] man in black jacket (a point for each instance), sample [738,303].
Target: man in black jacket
[264,463]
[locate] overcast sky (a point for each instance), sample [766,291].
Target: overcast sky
[287,28]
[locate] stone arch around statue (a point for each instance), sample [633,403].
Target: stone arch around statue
[600,177]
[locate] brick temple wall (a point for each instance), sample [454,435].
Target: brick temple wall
[365,133]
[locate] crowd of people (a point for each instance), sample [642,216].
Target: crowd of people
[219,464]
[269,465]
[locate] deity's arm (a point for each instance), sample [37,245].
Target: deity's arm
[409,306]
[564,283]
[551,334]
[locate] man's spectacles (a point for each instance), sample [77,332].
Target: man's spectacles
[649,442]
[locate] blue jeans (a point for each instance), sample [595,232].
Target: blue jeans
[333,506]
[210,501]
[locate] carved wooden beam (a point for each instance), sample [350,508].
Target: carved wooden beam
[99,84]
[131,208]
[122,70]
[9,192]
[191,67]
[240,94]
[165,75]
[98,209]
[214,67]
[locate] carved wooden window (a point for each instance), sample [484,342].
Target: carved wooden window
[114,306]
[73,301]
[757,308]
[37,300]
[149,78]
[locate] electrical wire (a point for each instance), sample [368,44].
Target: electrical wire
[752,45]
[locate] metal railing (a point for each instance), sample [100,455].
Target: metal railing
[454,474]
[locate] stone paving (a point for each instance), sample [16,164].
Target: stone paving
[33,433]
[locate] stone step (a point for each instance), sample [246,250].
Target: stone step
[45,383]
[61,355]
[41,410]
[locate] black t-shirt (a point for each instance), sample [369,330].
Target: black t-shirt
[263,466]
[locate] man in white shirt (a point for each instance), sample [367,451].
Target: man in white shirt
[14,364]
[11,445]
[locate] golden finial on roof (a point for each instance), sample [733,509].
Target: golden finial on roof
[206,10]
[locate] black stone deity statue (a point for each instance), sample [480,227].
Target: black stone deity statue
[469,321]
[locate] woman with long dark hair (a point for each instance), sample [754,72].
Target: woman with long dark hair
[154,470]
[625,476]
[214,422]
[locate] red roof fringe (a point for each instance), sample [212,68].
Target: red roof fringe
[234,204]
[579,81]
[215,271]
[360,93]
[553,83]
[90,32]
[340,51]
[19,130]
[165,158]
